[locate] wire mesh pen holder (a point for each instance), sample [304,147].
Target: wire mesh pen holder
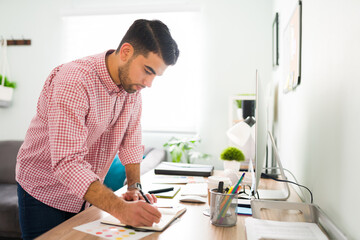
[223,208]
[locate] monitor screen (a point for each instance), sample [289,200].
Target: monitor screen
[260,129]
[261,139]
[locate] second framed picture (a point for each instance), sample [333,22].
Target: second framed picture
[275,40]
[292,50]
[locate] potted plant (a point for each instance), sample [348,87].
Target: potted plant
[244,107]
[232,158]
[239,108]
[6,91]
[182,149]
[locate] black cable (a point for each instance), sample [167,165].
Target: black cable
[287,181]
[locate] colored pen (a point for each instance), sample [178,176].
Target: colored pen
[161,190]
[238,183]
[142,194]
[230,190]
[227,204]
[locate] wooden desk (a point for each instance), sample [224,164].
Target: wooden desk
[192,225]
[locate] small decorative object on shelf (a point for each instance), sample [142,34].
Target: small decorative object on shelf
[232,157]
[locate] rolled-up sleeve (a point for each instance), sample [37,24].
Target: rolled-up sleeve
[67,135]
[131,150]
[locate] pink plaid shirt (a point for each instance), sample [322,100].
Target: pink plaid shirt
[83,119]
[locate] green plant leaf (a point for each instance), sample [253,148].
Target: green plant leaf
[232,153]
[7,83]
[176,155]
[182,148]
[239,103]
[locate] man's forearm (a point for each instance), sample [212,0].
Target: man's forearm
[132,173]
[134,213]
[102,197]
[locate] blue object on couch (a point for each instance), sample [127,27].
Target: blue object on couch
[116,175]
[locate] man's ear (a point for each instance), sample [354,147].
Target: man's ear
[126,52]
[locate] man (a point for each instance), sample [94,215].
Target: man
[88,111]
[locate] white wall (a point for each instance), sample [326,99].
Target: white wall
[236,42]
[29,65]
[318,130]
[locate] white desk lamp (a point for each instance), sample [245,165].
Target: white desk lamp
[241,132]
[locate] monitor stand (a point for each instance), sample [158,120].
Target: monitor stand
[281,194]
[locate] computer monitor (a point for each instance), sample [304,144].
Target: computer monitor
[261,139]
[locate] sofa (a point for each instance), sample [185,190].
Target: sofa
[9,213]
[9,210]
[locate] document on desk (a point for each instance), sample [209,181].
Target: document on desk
[168,216]
[195,189]
[110,232]
[167,179]
[257,229]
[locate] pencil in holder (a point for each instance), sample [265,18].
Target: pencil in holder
[223,208]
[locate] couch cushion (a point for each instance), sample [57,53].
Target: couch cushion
[152,159]
[9,212]
[8,154]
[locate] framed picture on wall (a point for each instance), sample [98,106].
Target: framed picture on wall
[292,50]
[275,40]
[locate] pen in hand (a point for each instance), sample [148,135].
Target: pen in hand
[143,195]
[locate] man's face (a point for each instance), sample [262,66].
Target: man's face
[139,72]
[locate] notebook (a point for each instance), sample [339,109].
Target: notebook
[169,194]
[184,169]
[168,216]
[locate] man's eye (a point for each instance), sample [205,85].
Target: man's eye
[147,72]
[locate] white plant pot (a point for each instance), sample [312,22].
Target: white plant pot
[232,165]
[6,95]
[239,113]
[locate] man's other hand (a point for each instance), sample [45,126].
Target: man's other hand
[138,213]
[134,195]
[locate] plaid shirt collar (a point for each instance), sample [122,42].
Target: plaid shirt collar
[105,77]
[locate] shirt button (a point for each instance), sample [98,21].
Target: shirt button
[103,149]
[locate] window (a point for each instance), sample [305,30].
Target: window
[172,103]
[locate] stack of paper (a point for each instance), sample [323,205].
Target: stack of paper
[266,229]
[177,179]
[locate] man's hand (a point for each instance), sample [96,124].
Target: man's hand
[134,195]
[138,213]
[133,176]
[135,213]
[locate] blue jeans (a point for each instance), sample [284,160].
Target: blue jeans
[36,217]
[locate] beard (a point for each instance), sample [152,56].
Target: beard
[123,73]
[126,81]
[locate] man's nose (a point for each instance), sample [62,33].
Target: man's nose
[148,81]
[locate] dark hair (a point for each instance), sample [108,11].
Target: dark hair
[151,36]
